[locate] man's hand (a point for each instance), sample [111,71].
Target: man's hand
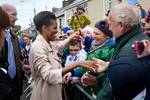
[88,80]
[26,69]
[67,78]
[74,35]
[146,51]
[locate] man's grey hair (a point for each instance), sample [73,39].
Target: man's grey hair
[127,14]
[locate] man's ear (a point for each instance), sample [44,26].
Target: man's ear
[122,26]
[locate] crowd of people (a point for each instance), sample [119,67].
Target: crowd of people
[110,61]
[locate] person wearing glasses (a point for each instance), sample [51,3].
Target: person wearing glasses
[76,54]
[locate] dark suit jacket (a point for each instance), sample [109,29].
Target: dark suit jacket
[7,89]
[17,54]
[129,76]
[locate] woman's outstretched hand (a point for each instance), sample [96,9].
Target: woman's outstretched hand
[87,64]
[101,65]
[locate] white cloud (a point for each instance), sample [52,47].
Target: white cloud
[25,8]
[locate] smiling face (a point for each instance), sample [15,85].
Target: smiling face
[99,37]
[45,23]
[50,31]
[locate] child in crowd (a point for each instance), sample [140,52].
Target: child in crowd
[76,54]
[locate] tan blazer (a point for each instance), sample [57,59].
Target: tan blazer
[46,69]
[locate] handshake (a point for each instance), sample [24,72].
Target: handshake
[95,66]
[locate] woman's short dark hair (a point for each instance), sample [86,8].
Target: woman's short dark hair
[80,8]
[43,18]
[104,27]
[4,19]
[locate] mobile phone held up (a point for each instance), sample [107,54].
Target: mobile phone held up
[138,47]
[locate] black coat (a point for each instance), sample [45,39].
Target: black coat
[18,82]
[129,76]
[7,90]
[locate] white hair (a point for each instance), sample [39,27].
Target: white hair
[127,14]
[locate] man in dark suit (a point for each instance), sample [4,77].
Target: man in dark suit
[11,52]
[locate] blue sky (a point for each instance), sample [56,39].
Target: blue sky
[25,9]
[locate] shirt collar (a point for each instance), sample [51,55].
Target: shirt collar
[7,33]
[41,38]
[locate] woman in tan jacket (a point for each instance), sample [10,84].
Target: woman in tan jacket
[45,63]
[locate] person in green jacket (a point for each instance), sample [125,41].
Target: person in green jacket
[102,48]
[79,19]
[124,22]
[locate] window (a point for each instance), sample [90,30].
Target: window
[109,4]
[60,23]
[120,1]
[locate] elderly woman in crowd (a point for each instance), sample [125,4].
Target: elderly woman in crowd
[102,48]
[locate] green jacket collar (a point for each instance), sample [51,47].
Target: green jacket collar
[120,42]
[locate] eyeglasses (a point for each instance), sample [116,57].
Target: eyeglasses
[74,49]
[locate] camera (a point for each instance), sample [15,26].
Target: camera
[138,46]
